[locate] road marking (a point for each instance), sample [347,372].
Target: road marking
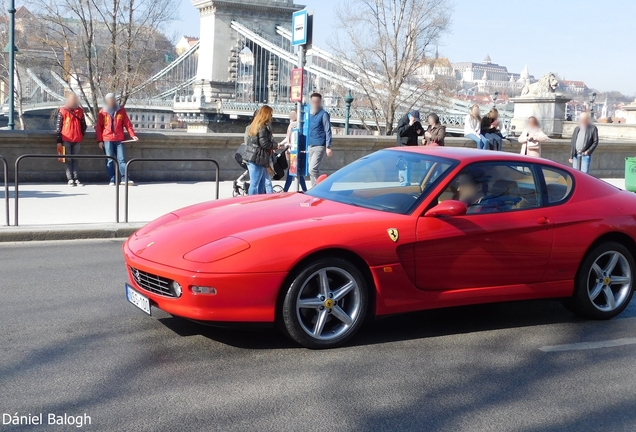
[589,345]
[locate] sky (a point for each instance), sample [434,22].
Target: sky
[584,40]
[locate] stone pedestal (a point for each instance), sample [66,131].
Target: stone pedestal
[548,109]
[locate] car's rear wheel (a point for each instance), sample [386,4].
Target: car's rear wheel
[604,284]
[325,304]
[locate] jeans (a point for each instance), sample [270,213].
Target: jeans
[71,164]
[482,142]
[316,154]
[290,180]
[269,187]
[495,141]
[115,149]
[258,175]
[585,163]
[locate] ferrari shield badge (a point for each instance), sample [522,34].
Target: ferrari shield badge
[393,234]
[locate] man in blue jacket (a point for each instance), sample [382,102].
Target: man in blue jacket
[319,142]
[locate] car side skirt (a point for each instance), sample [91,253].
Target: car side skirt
[396,294]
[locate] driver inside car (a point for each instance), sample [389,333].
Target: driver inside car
[472,188]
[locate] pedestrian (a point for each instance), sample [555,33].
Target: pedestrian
[111,122]
[71,128]
[490,130]
[259,149]
[532,137]
[472,128]
[293,123]
[319,142]
[584,142]
[435,133]
[409,128]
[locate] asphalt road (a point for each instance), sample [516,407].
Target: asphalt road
[70,343]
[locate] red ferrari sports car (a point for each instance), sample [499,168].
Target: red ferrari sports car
[399,230]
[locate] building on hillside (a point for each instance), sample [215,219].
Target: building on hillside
[488,77]
[438,69]
[185,43]
[573,87]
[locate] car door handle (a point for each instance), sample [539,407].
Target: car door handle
[543,220]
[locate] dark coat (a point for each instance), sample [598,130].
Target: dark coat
[407,134]
[591,140]
[259,148]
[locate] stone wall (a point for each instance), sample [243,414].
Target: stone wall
[608,161]
[606,131]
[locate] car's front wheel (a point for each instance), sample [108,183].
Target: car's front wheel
[325,304]
[605,282]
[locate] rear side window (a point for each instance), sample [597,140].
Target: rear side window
[558,184]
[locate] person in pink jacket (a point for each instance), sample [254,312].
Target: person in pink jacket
[532,137]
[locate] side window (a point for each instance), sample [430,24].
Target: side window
[494,188]
[558,184]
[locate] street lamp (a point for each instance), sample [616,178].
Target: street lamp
[11,49]
[348,99]
[495,96]
[592,99]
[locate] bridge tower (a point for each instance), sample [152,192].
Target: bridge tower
[216,72]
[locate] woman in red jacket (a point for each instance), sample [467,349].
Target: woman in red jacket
[71,128]
[111,121]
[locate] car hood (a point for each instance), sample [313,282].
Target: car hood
[170,237]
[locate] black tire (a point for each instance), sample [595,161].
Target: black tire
[602,291]
[341,317]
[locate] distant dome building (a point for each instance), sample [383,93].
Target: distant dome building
[487,77]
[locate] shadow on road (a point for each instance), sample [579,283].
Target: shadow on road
[416,325]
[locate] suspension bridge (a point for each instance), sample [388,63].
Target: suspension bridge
[242,63]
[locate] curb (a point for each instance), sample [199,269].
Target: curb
[67,232]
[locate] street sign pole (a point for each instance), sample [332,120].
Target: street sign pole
[301,64]
[11,47]
[301,38]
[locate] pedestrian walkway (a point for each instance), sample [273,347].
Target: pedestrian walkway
[59,204]
[54,204]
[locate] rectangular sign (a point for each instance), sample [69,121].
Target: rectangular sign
[296,87]
[294,139]
[299,28]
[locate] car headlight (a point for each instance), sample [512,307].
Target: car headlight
[217,250]
[175,288]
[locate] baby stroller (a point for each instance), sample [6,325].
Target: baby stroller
[279,164]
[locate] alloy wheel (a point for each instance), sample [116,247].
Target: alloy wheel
[609,281]
[328,303]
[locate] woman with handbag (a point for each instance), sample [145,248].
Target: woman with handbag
[435,133]
[258,152]
[532,137]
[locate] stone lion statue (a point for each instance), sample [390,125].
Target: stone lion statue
[546,85]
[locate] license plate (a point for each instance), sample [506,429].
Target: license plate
[137,299]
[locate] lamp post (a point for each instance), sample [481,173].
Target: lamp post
[592,99]
[11,48]
[348,101]
[495,96]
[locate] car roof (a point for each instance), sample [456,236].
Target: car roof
[469,155]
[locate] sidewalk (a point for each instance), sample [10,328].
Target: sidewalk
[57,204]
[57,212]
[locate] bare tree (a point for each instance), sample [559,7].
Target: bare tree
[106,45]
[381,45]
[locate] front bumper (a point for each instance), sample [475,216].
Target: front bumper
[246,297]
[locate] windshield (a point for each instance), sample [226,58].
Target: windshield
[388,180]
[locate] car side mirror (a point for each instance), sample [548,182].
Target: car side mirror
[448,208]
[321,178]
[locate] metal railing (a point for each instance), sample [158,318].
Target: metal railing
[57,156]
[5,170]
[212,161]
